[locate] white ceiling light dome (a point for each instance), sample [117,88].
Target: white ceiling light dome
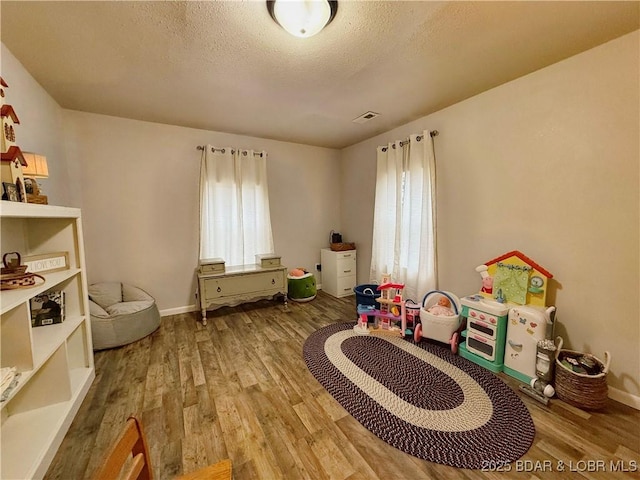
[302,18]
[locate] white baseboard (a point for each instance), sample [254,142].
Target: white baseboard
[178,310]
[623,397]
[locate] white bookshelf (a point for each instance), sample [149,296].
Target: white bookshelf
[55,361]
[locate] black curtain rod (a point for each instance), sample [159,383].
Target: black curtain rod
[432,133]
[214,149]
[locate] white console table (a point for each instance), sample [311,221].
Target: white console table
[240,284]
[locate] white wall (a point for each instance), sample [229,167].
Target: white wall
[40,129]
[139,185]
[549,165]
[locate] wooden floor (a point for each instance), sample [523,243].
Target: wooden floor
[239,388]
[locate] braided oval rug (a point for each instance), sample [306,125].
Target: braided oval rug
[421,398]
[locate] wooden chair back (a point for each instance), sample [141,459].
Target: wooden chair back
[129,459]
[131,442]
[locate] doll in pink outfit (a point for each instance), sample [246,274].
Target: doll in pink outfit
[442,308]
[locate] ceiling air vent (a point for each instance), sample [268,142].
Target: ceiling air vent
[365,117]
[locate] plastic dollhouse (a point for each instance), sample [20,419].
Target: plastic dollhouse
[12,160]
[390,318]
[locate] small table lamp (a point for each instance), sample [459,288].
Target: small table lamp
[36,168]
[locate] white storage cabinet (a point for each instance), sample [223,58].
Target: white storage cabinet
[338,272]
[55,361]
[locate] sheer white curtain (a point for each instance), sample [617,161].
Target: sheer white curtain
[235,221]
[404,225]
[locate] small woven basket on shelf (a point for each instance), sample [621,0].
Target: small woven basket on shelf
[589,392]
[20,269]
[12,264]
[39,199]
[340,247]
[13,281]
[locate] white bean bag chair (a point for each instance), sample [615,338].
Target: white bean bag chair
[120,314]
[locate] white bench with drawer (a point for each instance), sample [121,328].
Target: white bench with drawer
[240,284]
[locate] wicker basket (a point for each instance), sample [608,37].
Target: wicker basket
[12,264]
[589,392]
[340,247]
[20,269]
[39,199]
[13,281]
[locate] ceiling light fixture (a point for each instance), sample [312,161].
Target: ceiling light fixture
[302,18]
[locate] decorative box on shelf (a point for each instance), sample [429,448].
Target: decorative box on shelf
[268,260]
[211,265]
[342,246]
[39,199]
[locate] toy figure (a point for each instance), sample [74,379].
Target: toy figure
[487,280]
[487,285]
[298,272]
[442,308]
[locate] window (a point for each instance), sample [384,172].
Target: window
[404,242]
[235,220]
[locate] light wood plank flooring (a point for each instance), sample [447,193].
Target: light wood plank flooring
[239,388]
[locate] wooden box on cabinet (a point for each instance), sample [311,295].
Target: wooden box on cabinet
[212,265]
[268,260]
[338,272]
[55,362]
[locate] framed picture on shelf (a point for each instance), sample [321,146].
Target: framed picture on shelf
[47,308]
[47,262]
[10,192]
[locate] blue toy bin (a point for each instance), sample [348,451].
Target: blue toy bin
[366,294]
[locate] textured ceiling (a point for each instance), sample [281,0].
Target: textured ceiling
[226,66]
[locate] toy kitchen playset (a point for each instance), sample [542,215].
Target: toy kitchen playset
[508,317]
